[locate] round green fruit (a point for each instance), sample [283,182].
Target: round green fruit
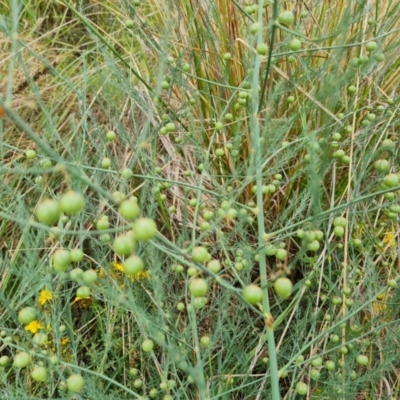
[219,152]
[138,383]
[127,174]
[39,374]
[301,388]
[4,360]
[391,180]
[27,315]
[147,345]
[351,89]
[355,62]
[129,209]
[46,163]
[338,231]
[170,127]
[252,294]
[392,283]
[111,136]
[72,202]
[262,49]
[61,260]
[283,288]
[214,266]
[83,292]
[75,383]
[76,255]
[300,359]
[22,359]
[371,46]
[316,362]
[281,254]
[124,245]
[40,338]
[105,163]
[133,371]
[313,246]
[219,125]
[315,374]
[198,287]
[295,45]
[30,154]
[199,254]
[89,277]
[362,360]
[103,223]
[205,341]
[382,166]
[118,198]
[330,365]
[48,212]
[144,229]
[394,208]
[133,265]
[286,18]
[129,24]
[76,274]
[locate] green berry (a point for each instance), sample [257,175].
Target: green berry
[371,46]
[198,287]
[262,49]
[295,44]
[144,229]
[286,18]
[252,294]
[75,383]
[72,202]
[283,288]
[129,24]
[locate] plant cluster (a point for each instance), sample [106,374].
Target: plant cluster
[200,200]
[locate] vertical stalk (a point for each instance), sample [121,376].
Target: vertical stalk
[256,165]
[200,379]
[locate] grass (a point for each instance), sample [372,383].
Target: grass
[225,149]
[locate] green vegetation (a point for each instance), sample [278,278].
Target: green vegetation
[199,200]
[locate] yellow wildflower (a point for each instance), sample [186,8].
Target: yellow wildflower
[34,326]
[378,307]
[64,341]
[118,266]
[140,276]
[389,239]
[44,296]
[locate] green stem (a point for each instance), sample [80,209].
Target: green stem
[257,165]
[269,61]
[201,382]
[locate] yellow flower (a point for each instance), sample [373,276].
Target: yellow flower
[118,266]
[389,239]
[44,296]
[64,341]
[378,307]
[34,326]
[140,276]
